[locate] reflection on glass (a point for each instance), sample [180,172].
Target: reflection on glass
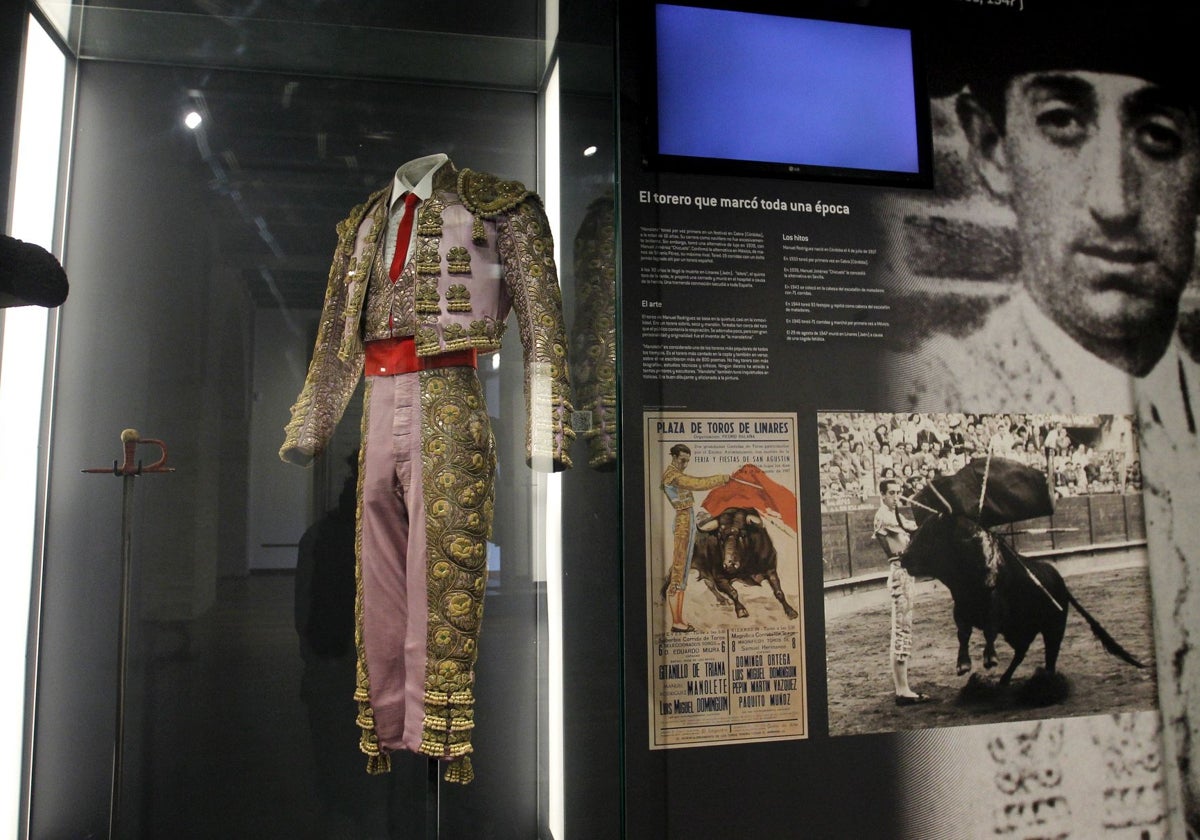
[593,336]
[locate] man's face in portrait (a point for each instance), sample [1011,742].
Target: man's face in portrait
[680,461]
[1102,172]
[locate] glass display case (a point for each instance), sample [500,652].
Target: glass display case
[803,346]
[192,642]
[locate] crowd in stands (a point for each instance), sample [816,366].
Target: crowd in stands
[858,450]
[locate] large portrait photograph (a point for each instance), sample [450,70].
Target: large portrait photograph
[1053,268]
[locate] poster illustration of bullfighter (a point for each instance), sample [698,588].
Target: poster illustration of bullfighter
[723,583]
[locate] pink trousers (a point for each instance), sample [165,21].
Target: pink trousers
[395,608]
[428,488]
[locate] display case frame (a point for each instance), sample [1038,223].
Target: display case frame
[236,210]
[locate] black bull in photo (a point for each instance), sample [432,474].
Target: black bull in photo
[994,587]
[736,546]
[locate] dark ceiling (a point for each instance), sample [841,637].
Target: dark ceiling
[308,105]
[501,18]
[287,157]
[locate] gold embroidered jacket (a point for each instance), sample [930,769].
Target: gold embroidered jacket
[484,248]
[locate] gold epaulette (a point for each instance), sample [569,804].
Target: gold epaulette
[347,229]
[486,195]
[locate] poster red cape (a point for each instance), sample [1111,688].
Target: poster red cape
[725,634]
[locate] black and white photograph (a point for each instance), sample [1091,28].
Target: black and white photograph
[1053,267]
[1050,266]
[996,573]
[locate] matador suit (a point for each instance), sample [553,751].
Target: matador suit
[678,487]
[423,278]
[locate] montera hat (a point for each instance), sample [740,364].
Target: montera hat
[979,44]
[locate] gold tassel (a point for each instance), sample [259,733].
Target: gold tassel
[379,764]
[478,234]
[460,770]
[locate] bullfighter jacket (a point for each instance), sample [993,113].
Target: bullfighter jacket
[484,248]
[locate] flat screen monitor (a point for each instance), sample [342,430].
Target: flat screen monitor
[774,94]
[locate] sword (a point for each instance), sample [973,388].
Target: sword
[127,471]
[912,502]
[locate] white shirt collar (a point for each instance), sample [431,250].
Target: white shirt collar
[416,177]
[1095,386]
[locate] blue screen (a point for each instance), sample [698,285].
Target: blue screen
[755,87]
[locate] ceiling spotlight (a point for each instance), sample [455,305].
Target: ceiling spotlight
[589,151]
[193,120]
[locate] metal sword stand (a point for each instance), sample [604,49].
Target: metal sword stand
[130,469]
[432,799]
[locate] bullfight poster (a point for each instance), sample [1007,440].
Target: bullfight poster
[723,582]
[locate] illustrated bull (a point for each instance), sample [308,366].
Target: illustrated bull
[736,546]
[999,591]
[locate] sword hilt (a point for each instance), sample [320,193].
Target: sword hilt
[130,439]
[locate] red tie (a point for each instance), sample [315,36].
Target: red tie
[403,235]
